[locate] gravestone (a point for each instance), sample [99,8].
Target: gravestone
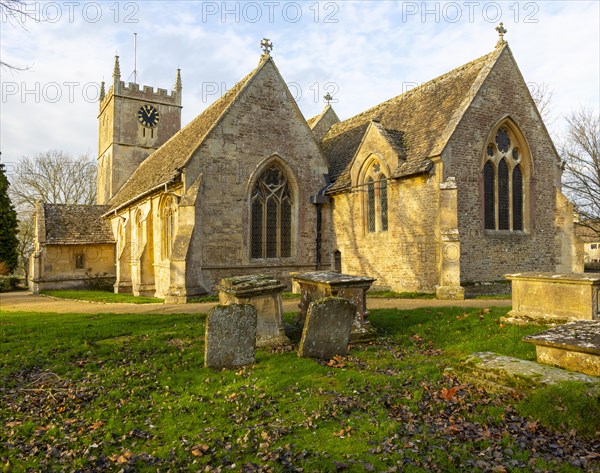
[264,293]
[319,284]
[230,337]
[327,328]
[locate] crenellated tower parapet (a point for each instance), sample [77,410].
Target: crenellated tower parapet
[133,121]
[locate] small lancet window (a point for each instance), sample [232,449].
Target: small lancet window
[376,199]
[169,226]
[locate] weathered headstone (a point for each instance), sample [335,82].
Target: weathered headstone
[327,328]
[320,284]
[230,338]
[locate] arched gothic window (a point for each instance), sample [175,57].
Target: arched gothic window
[504,185]
[271,216]
[139,233]
[376,204]
[168,216]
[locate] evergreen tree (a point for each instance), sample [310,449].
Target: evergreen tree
[8,226]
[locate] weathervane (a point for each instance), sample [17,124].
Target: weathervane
[501,32]
[266,46]
[328,98]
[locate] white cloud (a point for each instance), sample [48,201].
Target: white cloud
[371,51]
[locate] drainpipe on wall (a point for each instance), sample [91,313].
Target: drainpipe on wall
[319,199]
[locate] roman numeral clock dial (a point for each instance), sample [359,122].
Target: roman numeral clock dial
[148,116]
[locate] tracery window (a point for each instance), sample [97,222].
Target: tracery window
[504,184]
[169,226]
[139,233]
[376,205]
[271,216]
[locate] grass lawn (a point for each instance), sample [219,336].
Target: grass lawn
[116,393]
[102,296]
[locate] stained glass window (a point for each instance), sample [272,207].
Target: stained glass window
[489,192]
[257,227]
[383,202]
[504,184]
[517,195]
[502,140]
[371,204]
[503,197]
[271,215]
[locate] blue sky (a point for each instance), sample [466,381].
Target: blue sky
[362,52]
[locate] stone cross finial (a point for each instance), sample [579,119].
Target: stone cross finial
[266,46]
[501,32]
[328,98]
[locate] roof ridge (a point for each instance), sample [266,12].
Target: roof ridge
[483,74]
[230,96]
[414,91]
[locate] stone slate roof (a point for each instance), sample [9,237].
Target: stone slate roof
[165,164]
[418,123]
[76,224]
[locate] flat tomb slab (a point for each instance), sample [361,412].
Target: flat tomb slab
[333,279]
[506,373]
[574,346]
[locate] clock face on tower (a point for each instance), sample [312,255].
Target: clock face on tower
[148,116]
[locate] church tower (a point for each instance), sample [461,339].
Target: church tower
[133,122]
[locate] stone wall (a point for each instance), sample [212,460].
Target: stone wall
[487,255]
[405,257]
[54,266]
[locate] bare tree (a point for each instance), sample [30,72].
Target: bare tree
[580,151]
[14,13]
[53,177]
[542,96]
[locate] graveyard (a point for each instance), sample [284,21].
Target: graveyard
[131,392]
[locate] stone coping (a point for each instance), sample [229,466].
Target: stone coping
[567,278]
[333,278]
[250,285]
[580,336]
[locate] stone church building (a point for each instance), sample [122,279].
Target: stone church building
[455,181]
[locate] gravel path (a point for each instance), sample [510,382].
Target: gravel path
[23,301]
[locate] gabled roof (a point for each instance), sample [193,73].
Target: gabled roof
[76,224]
[165,164]
[424,118]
